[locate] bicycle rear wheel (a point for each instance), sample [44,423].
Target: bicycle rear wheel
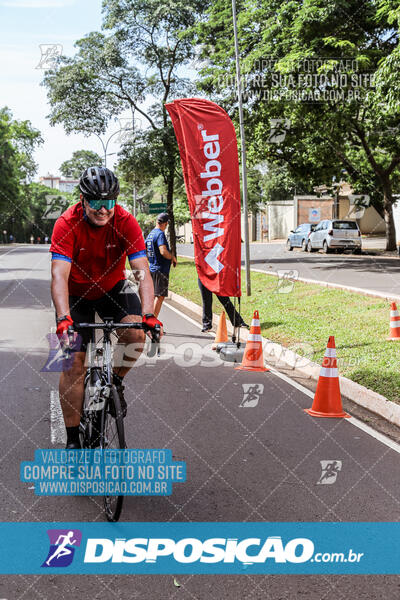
[113,437]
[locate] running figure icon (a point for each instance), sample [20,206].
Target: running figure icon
[62,549]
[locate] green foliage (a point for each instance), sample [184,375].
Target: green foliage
[146,222]
[36,203]
[277,182]
[277,38]
[135,65]
[18,140]
[81,160]
[181,211]
[305,316]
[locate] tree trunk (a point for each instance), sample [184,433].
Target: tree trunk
[389,220]
[170,208]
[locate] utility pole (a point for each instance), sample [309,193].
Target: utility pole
[243,155]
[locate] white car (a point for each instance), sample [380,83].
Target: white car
[335,234]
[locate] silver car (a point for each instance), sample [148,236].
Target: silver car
[335,234]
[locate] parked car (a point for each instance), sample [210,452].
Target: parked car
[298,237]
[334,235]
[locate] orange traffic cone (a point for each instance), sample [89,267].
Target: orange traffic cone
[253,359]
[394,323]
[222,332]
[327,399]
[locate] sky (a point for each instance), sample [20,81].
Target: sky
[24,25]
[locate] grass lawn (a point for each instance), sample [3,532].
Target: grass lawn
[309,314]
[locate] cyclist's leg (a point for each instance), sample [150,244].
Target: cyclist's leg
[123,305]
[71,390]
[72,380]
[131,343]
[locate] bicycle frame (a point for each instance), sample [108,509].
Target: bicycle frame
[94,420]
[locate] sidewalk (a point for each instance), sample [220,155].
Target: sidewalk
[373,243]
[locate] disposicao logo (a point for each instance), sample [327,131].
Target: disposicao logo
[191,550]
[56,361]
[62,547]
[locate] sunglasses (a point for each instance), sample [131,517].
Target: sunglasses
[97,204]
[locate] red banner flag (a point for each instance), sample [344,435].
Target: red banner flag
[209,155]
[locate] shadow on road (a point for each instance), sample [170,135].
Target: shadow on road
[24,249]
[25,293]
[13,269]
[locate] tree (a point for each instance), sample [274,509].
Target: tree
[40,208]
[277,182]
[343,116]
[140,164]
[181,211]
[18,141]
[8,167]
[102,79]
[81,160]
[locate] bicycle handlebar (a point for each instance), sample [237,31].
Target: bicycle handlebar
[110,325]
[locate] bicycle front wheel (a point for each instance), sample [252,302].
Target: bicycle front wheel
[113,438]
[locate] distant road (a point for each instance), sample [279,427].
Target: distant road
[381,274]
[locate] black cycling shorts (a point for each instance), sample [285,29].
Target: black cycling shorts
[117,303]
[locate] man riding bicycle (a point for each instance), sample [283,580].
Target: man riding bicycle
[89,246]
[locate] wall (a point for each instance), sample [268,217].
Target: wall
[281,219]
[186,231]
[371,222]
[323,205]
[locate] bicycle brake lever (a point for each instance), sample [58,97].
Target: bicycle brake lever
[155,342]
[67,349]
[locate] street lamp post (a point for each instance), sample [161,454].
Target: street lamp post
[105,146]
[243,154]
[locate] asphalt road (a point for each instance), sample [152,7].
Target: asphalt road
[365,272]
[243,464]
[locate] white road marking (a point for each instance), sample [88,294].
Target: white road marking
[378,436]
[178,312]
[58,434]
[356,422]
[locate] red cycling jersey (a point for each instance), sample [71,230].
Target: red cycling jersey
[97,254]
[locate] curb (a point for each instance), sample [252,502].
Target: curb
[276,353]
[338,286]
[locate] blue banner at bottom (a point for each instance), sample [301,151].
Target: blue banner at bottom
[203,548]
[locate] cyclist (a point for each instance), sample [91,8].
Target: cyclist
[89,246]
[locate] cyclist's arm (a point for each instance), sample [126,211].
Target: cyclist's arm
[146,288]
[60,270]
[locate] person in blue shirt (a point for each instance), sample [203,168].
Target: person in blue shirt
[160,258]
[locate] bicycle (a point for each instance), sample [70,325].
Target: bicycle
[102,423]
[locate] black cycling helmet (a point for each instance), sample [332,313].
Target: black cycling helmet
[99,182]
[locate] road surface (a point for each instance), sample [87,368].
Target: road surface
[365,272]
[259,463]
